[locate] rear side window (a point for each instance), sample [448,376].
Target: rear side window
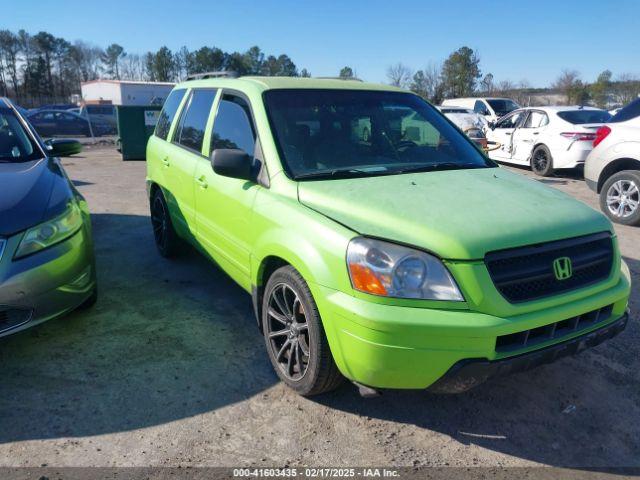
[168,113]
[536,119]
[232,127]
[579,117]
[193,122]
[627,113]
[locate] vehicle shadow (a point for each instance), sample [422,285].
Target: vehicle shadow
[167,339]
[172,339]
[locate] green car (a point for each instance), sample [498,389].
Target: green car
[399,258]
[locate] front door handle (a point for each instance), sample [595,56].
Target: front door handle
[536,133]
[165,161]
[202,182]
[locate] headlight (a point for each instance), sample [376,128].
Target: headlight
[390,270]
[49,233]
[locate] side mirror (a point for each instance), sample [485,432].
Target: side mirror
[232,162]
[63,147]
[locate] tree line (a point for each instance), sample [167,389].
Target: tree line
[43,68]
[459,75]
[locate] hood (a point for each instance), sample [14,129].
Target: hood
[456,214]
[30,192]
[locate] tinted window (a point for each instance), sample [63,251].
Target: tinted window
[193,122]
[168,113]
[627,113]
[320,133]
[503,106]
[578,117]
[480,108]
[232,127]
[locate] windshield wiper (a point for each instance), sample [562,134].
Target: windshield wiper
[342,173]
[441,166]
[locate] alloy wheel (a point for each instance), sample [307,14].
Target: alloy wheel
[540,160]
[288,332]
[159,221]
[623,198]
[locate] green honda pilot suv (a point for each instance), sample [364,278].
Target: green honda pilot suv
[378,243]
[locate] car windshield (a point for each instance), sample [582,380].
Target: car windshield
[579,117]
[632,110]
[503,106]
[339,133]
[16,145]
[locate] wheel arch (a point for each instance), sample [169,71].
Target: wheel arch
[618,165]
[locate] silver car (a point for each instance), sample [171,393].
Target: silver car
[47,263]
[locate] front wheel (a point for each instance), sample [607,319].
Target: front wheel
[542,161]
[294,336]
[620,197]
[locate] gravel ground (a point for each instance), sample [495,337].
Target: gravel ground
[168,369]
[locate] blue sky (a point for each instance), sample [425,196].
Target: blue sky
[530,39]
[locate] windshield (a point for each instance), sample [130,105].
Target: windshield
[579,117]
[337,133]
[632,110]
[15,144]
[503,106]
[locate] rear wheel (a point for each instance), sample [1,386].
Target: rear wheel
[164,234]
[294,336]
[542,161]
[620,197]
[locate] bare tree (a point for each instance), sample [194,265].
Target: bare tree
[626,88]
[566,83]
[399,75]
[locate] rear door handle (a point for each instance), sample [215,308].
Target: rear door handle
[536,133]
[165,161]
[202,182]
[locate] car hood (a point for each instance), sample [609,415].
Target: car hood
[30,193]
[457,214]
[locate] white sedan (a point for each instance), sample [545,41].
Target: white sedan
[546,138]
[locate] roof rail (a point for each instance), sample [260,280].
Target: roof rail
[353,79]
[219,74]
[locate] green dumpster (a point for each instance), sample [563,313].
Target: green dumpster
[135,126]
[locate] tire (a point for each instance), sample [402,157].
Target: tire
[291,325]
[165,236]
[542,161]
[620,197]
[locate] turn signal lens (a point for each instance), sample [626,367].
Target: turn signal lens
[601,134]
[365,280]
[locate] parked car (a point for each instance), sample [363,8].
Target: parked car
[47,265]
[49,123]
[472,124]
[612,169]
[546,138]
[490,108]
[407,261]
[103,114]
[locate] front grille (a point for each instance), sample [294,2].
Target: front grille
[13,317]
[553,331]
[527,273]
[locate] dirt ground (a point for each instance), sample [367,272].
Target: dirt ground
[169,369]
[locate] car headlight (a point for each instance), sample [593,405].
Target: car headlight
[390,270]
[51,232]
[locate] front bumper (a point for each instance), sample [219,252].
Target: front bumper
[395,346]
[47,284]
[467,374]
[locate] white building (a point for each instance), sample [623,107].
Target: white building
[124,92]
